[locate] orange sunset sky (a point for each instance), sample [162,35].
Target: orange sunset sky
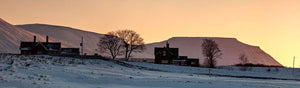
[274,25]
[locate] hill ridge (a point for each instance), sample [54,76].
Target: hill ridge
[71,37]
[49,25]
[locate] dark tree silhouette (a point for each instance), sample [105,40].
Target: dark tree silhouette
[244,62]
[110,44]
[244,59]
[211,52]
[132,41]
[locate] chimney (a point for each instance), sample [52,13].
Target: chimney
[34,39]
[47,39]
[167,45]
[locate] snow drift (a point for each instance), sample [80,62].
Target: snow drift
[43,71]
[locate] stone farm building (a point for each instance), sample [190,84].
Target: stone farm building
[167,55]
[49,48]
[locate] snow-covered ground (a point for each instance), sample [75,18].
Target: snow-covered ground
[64,72]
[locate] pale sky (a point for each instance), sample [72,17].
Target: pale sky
[274,25]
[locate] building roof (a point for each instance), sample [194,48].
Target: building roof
[50,46]
[172,51]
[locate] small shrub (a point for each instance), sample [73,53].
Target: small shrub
[276,69]
[27,64]
[268,70]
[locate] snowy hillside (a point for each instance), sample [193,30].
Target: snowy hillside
[231,49]
[11,36]
[62,72]
[69,37]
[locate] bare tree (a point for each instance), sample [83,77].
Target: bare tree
[132,41]
[244,59]
[110,44]
[211,51]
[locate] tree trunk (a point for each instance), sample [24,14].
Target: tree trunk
[129,53]
[126,52]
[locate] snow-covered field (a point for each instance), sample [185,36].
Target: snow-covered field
[64,72]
